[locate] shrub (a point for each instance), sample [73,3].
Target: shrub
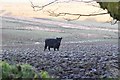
[24,71]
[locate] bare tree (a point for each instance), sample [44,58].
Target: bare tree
[76,15]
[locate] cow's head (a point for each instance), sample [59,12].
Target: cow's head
[59,39]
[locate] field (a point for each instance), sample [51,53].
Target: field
[88,49]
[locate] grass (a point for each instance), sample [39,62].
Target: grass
[13,31]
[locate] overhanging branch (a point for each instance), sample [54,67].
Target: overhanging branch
[52,13]
[41,7]
[82,14]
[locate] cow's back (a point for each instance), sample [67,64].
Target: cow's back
[50,41]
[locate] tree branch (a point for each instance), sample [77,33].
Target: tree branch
[52,13]
[82,14]
[41,7]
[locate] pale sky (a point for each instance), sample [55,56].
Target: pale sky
[14,1]
[27,1]
[45,1]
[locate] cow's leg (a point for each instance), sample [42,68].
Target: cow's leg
[58,48]
[49,48]
[54,49]
[45,47]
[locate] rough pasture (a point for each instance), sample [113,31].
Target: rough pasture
[72,61]
[86,51]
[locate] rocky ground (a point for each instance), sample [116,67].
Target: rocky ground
[74,60]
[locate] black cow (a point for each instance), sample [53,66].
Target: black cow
[52,43]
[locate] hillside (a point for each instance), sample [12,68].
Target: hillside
[25,10]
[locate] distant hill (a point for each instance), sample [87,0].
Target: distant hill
[25,10]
